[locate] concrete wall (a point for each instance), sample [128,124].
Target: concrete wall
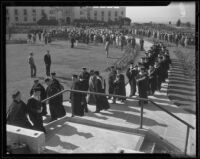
[34,139]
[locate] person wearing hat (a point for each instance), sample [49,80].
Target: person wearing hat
[34,107]
[101,101]
[32,65]
[85,76]
[17,112]
[152,79]
[47,61]
[142,84]
[119,86]
[83,88]
[76,98]
[42,94]
[91,97]
[131,73]
[141,44]
[158,75]
[56,82]
[111,79]
[56,107]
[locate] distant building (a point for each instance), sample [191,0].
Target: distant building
[27,15]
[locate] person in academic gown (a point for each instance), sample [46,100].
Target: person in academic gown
[101,101]
[131,73]
[152,80]
[76,98]
[17,112]
[34,107]
[142,85]
[111,79]
[56,107]
[119,86]
[92,82]
[42,95]
[158,75]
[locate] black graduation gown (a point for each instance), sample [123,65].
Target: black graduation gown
[131,76]
[152,81]
[33,106]
[101,101]
[42,96]
[111,79]
[158,78]
[85,76]
[142,86]
[91,99]
[56,107]
[76,99]
[120,86]
[16,114]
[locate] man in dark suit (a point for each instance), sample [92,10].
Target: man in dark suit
[47,61]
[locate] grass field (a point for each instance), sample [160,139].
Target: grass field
[65,62]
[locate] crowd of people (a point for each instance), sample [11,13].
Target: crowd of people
[144,78]
[173,36]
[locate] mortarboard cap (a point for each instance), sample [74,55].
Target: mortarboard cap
[75,76]
[36,89]
[84,68]
[47,79]
[15,93]
[53,73]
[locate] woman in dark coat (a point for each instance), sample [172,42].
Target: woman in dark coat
[101,101]
[17,112]
[76,98]
[142,85]
[35,109]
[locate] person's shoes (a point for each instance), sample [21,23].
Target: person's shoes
[72,115]
[97,111]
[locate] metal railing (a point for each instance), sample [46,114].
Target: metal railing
[136,98]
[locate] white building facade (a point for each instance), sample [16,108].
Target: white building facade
[27,15]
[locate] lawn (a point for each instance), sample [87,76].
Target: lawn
[65,62]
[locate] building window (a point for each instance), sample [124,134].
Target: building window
[109,13]
[116,13]
[16,12]
[34,11]
[95,13]
[34,19]
[7,11]
[25,19]
[122,13]
[102,13]
[81,12]
[95,18]
[16,19]
[25,12]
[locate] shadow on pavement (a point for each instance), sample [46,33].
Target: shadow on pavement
[135,119]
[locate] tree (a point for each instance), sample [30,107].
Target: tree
[178,23]
[188,24]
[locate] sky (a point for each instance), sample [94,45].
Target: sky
[185,11]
